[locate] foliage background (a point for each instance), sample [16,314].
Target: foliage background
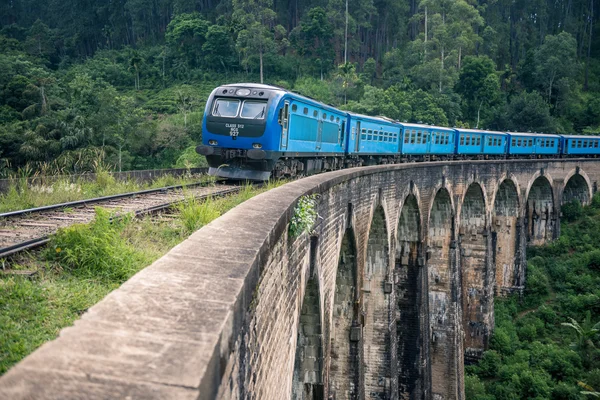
[126,80]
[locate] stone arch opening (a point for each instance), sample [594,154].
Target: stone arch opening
[576,189]
[474,271]
[346,332]
[540,212]
[505,238]
[442,297]
[377,292]
[408,279]
[307,381]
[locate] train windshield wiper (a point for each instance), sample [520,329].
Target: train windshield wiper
[260,114]
[217,113]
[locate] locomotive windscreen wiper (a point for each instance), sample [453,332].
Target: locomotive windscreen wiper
[260,114]
[216,112]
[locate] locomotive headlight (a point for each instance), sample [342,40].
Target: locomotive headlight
[213,142]
[257,145]
[243,92]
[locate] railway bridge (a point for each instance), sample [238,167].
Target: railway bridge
[385,297]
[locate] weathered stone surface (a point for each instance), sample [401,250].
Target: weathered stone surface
[384,298]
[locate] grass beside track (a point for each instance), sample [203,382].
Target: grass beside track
[84,263]
[21,196]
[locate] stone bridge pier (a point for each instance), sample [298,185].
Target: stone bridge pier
[387,296]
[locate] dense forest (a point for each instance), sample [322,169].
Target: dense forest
[124,82]
[546,344]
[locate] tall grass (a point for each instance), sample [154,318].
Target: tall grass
[194,214]
[95,250]
[22,195]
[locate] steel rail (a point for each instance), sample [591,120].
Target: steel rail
[101,199]
[42,240]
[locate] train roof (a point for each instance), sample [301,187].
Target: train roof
[380,119]
[412,125]
[284,90]
[465,130]
[529,134]
[255,85]
[581,136]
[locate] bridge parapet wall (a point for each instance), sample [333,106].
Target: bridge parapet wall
[219,315]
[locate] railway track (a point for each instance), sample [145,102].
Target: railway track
[26,229]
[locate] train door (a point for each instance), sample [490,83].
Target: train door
[319,134]
[284,121]
[358,133]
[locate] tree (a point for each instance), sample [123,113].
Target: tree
[255,19]
[478,84]
[526,112]
[186,35]
[135,62]
[316,32]
[586,333]
[218,48]
[554,60]
[347,78]
[186,102]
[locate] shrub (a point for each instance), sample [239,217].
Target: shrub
[194,214]
[95,250]
[572,210]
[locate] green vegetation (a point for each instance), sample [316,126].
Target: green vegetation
[546,346]
[305,216]
[129,79]
[21,195]
[83,263]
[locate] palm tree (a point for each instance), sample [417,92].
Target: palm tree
[586,333]
[134,63]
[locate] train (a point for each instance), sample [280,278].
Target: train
[256,132]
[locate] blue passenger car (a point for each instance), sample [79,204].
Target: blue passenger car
[313,127]
[480,142]
[533,144]
[580,145]
[423,140]
[373,136]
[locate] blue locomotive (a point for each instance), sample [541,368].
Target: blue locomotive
[254,131]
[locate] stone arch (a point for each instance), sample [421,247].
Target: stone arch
[539,212]
[307,382]
[443,310]
[577,188]
[506,238]
[344,372]
[515,182]
[408,279]
[376,297]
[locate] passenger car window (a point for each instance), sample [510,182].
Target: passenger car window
[256,109]
[226,108]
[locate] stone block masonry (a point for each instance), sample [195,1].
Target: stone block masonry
[385,298]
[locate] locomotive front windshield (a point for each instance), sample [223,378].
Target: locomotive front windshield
[226,108]
[254,109]
[230,108]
